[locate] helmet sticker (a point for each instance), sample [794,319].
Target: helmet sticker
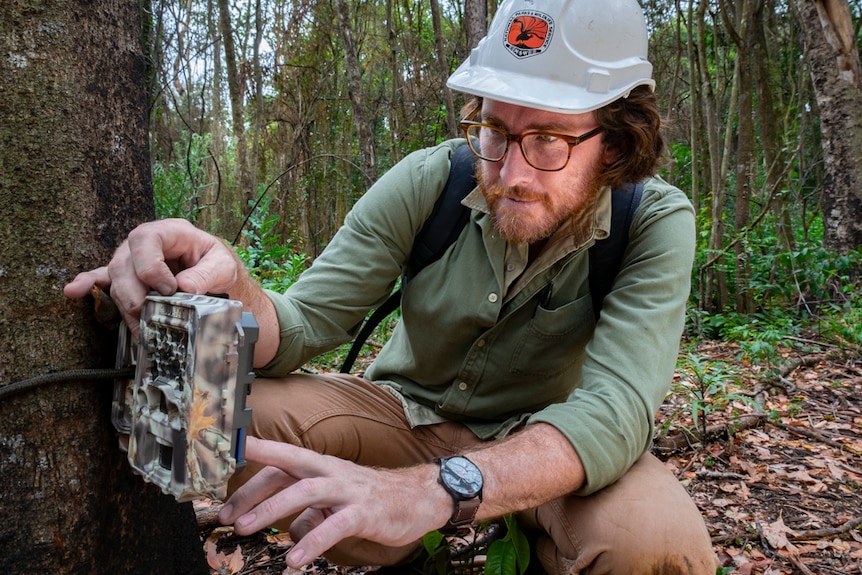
[528,33]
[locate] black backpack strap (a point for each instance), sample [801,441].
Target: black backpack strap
[383,310]
[448,217]
[606,255]
[439,231]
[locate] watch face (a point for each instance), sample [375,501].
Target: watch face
[461,476]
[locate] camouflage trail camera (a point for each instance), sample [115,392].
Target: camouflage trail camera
[182,419]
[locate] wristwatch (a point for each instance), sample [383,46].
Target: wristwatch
[463,480]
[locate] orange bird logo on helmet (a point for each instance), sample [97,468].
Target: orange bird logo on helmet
[528,33]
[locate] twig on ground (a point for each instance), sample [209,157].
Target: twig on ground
[809,433]
[831,532]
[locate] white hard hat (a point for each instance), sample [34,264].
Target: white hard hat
[567,56]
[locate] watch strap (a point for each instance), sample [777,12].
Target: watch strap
[464,514]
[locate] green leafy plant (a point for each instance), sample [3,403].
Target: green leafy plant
[709,390]
[177,184]
[269,257]
[438,552]
[506,555]
[511,554]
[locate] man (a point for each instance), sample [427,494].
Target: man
[498,360]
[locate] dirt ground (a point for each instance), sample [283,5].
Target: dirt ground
[779,482]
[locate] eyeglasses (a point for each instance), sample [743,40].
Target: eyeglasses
[546,151]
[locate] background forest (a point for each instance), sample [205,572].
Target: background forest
[270,118]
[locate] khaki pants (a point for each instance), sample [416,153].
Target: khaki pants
[645,523]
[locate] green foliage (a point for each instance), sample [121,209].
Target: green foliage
[762,336]
[438,552]
[269,257]
[801,287]
[806,277]
[177,184]
[710,388]
[511,554]
[841,326]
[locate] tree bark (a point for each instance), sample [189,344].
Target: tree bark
[356,93]
[714,279]
[237,106]
[744,37]
[74,179]
[443,63]
[475,21]
[834,66]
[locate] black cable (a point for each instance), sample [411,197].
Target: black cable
[69,375]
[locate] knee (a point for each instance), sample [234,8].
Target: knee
[636,556]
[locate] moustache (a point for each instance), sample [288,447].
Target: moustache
[497,191]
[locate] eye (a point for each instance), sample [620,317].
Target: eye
[543,138]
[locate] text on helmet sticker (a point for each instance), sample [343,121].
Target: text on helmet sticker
[528,33]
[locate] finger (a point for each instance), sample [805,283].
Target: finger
[324,536]
[84,281]
[304,484]
[285,503]
[202,262]
[127,290]
[215,271]
[305,522]
[148,255]
[261,486]
[298,461]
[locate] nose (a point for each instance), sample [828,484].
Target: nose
[514,168]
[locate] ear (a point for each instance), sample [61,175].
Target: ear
[610,155]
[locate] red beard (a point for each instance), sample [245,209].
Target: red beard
[524,216]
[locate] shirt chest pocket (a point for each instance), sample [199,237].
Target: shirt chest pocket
[554,339]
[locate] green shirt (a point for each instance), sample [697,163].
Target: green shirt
[490,341]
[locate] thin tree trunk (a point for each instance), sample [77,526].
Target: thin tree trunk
[475,21]
[361,119]
[256,133]
[235,90]
[743,37]
[695,126]
[773,158]
[443,62]
[714,279]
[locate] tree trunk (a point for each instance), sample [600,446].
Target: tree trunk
[74,179]
[475,21]
[237,108]
[714,279]
[356,93]
[745,160]
[773,155]
[833,62]
[443,63]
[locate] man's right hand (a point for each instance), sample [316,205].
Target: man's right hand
[166,256]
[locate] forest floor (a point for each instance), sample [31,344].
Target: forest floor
[777,476]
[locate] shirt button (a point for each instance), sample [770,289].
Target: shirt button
[492,297]
[480,343]
[510,267]
[462,386]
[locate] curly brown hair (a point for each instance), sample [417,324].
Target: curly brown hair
[631,132]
